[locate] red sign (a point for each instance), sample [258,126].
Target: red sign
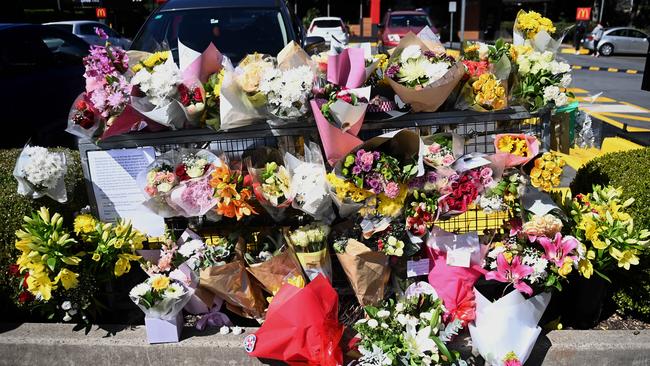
[100,13]
[375,6]
[583,14]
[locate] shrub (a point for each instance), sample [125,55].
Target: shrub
[13,207]
[631,171]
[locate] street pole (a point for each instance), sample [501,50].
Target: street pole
[451,30]
[462,21]
[601,10]
[328,7]
[360,18]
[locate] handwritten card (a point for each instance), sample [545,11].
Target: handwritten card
[417,268]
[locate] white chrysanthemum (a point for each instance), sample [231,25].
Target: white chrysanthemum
[140,290]
[191,248]
[561,99]
[436,71]
[550,93]
[44,168]
[566,81]
[160,84]
[287,91]
[410,52]
[174,291]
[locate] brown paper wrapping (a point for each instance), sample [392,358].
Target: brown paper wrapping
[367,271]
[233,283]
[428,99]
[292,56]
[273,273]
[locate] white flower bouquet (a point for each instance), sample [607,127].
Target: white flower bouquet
[310,244]
[541,80]
[41,172]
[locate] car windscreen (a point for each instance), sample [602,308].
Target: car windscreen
[327,23]
[63,27]
[409,21]
[234,31]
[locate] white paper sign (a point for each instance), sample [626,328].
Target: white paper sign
[113,174]
[459,257]
[417,268]
[470,161]
[462,250]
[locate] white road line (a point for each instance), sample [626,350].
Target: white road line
[616,108]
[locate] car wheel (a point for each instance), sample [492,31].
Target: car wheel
[606,49]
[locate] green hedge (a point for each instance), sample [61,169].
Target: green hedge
[631,171]
[13,207]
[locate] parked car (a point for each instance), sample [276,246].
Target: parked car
[236,27]
[41,73]
[85,29]
[397,24]
[328,27]
[619,40]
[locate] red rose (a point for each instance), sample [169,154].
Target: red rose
[380,244]
[24,297]
[248,180]
[81,105]
[14,270]
[181,173]
[198,96]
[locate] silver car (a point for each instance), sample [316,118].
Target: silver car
[619,40]
[85,29]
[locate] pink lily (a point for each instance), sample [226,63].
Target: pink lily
[511,272]
[559,248]
[515,226]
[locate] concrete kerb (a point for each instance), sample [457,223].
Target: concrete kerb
[57,344]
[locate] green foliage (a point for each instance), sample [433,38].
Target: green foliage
[13,207]
[309,16]
[631,171]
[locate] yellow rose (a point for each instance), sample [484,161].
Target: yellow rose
[159,282]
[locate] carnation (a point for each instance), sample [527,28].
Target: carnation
[44,169]
[140,290]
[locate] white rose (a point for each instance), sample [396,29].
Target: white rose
[384,325]
[361,321]
[561,99]
[483,51]
[383,313]
[399,307]
[373,323]
[547,56]
[524,65]
[566,80]
[67,305]
[409,53]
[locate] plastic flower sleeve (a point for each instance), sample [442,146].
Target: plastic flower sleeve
[511,160]
[507,325]
[309,185]
[169,115]
[467,98]
[195,197]
[40,172]
[256,164]
[457,145]
[166,309]
[156,181]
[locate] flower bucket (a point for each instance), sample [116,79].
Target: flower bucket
[164,331]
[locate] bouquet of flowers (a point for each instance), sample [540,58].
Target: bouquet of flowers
[107,88]
[156,79]
[41,172]
[518,149]
[421,76]
[309,185]
[224,275]
[211,112]
[465,190]
[271,181]
[232,193]
[269,262]
[339,119]
[534,29]
[287,91]
[348,196]
[192,99]
[310,245]
[607,232]
[540,80]
[421,212]
[194,195]
[162,301]
[547,171]
[407,331]
[482,93]
[505,194]
[83,120]
[442,149]
[241,102]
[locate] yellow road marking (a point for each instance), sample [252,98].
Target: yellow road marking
[628,116]
[594,68]
[576,67]
[582,51]
[631,72]
[612,69]
[636,106]
[618,124]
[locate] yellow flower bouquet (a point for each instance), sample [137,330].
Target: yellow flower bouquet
[530,23]
[547,172]
[517,148]
[483,94]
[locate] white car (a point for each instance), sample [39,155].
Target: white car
[85,29]
[328,27]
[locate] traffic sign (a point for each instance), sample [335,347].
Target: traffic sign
[100,13]
[583,14]
[452,6]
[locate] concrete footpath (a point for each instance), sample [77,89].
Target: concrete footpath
[58,344]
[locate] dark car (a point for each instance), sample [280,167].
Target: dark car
[397,24]
[41,73]
[236,27]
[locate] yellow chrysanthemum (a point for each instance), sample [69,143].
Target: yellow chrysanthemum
[84,224]
[160,282]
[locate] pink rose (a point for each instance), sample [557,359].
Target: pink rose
[448,160]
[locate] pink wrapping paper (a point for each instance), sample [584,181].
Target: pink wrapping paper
[454,286]
[208,63]
[129,121]
[514,160]
[336,143]
[347,69]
